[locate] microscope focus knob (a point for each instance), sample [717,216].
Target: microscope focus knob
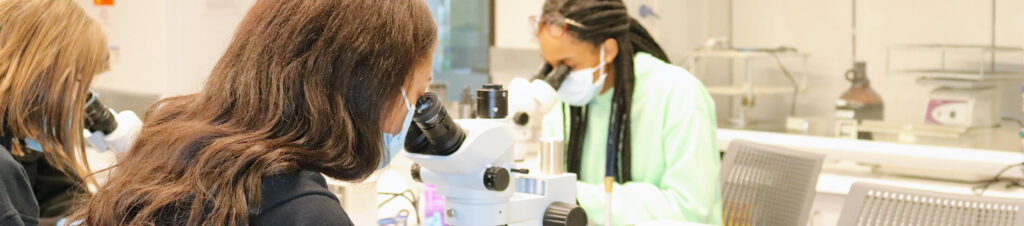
[416,173]
[521,118]
[563,214]
[496,179]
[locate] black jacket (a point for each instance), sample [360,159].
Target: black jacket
[17,207]
[54,191]
[299,198]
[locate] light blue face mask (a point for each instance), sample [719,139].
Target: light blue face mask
[395,143]
[33,145]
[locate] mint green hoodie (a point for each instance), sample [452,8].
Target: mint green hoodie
[675,158]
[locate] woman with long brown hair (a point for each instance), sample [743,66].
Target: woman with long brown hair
[305,88]
[50,50]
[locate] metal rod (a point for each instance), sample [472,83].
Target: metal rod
[710,19]
[993,36]
[981,69]
[888,58]
[750,81]
[729,41]
[803,73]
[749,103]
[853,31]
[732,66]
[943,68]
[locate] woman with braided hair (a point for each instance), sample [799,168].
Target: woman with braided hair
[623,97]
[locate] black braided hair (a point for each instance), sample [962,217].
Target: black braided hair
[602,20]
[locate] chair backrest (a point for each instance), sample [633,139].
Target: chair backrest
[768,185]
[872,204]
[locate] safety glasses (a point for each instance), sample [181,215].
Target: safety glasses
[556,27]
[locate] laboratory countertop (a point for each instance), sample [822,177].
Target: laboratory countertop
[941,169]
[839,183]
[847,162]
[851,161]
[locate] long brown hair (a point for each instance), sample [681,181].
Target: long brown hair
[50,50]
[303,85]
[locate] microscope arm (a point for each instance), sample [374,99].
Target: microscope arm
[532,99]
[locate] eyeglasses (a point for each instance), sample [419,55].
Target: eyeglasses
[555,27]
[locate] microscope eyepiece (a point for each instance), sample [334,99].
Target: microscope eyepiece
[98,117]
[434,131]
[557,75]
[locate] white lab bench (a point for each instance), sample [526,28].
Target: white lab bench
[939,169]
[839,171]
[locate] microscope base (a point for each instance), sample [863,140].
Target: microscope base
[527,207]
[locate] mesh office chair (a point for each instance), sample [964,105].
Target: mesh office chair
[870,204]
[768,185]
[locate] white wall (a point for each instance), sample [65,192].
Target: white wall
[165,47]
[169,47]
[823,29]
[136,34]
[199,35]
[512,26]
[679,27]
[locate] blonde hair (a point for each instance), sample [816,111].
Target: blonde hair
[49,52]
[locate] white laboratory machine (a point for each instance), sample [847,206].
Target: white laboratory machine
[471,162]
[963,107]
[972,103]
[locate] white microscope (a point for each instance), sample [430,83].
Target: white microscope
[528,101]
[107,130]
[471,163]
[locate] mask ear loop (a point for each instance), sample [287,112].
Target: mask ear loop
[405,96]
[603,62]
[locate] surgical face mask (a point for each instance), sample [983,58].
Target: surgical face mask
[33,145]
[394,143]
[579,87]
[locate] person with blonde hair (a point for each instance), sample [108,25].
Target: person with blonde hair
[50,50]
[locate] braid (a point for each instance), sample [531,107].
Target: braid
[577,123]
[643,42]
[602,20]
